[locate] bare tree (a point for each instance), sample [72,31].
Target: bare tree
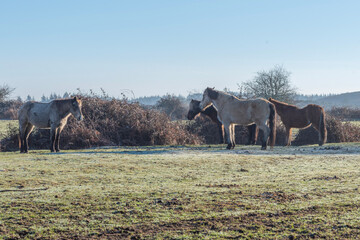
[5,92]
[274,83]
[172,106]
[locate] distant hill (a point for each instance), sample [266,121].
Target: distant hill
[351,100]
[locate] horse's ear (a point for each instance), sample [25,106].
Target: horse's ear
[213,94]
[270,99]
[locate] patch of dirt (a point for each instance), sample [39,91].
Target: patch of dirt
[174,203]
[219,185]
[326,178]
[278,196]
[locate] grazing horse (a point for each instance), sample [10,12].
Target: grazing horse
[52,115]
[294,117]
[194,109]
[234,111]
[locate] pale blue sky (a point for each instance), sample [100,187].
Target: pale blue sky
[158,47]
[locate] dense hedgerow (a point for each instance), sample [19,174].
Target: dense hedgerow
[111,122]
[345,113]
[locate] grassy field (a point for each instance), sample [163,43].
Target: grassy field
[182,193]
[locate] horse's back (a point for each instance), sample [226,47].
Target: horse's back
[36,113]
[247,112]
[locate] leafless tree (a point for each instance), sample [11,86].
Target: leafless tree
[5,92]
[274,83]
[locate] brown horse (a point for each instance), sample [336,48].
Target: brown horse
[234,111]
[194,109]
[294,117]
[52,115]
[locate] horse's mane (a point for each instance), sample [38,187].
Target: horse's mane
[227,94]
[61,99]
[282,104]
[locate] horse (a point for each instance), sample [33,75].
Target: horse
[194,109]
[234,111]
[52,115]
[294,117]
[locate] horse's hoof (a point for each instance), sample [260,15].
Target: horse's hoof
[263,148]
[228,147]
[57,150]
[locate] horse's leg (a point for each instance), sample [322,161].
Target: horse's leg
[317,128]
[228,135]
[22,129]
[288,136]
[53,132]
[250,135]
[253,132]
[266,132]
[221,132]
[232,131]
[256,134]
[28,130]
[57,138]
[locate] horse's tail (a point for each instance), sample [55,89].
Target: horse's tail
[272,123]
[322,128]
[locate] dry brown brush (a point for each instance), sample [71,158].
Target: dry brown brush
[111,122]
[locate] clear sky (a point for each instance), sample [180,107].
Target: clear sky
[158,47]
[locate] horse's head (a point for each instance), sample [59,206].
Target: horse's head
[209,95]
[194,109]
[75,108]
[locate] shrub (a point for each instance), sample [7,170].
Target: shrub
[337,132]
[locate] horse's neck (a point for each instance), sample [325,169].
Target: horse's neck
[220,101]
[63,110]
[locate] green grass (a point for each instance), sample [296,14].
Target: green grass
[179,193]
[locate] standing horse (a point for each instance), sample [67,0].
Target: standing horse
[234,111]
[294,117]
[52,115]
[194,109]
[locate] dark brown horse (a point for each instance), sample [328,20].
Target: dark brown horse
[194,109]
[52,115]
[294,117]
